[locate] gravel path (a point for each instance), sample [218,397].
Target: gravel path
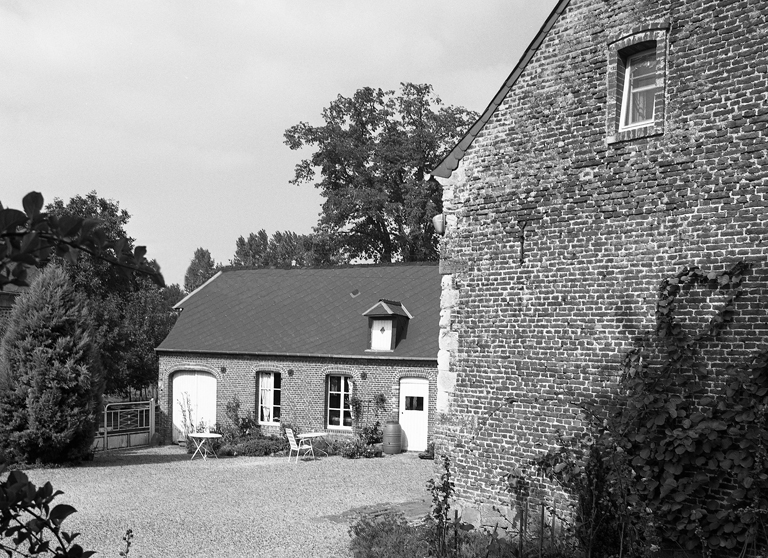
[231,507]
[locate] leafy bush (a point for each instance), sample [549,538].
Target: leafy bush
[257,446]
[372,434]
[28,524]
[51,381]
[237,428]
[358,448]
[386,536]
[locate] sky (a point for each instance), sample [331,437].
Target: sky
[176,108]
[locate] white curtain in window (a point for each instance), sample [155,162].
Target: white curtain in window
[266,386]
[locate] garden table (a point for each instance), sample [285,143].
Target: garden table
[312,435]
[203,445]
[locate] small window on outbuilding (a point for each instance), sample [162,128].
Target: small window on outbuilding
[387,323]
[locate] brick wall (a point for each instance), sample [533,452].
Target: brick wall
[560,229]
[303,389]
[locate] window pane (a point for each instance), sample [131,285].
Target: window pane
[642,106]
[276,398]
[277,414]
[278,380]
[347,418]
[334,418]
[640,89]
[334,401]
[346,384]
[334,383]
[414,403]
[346,401]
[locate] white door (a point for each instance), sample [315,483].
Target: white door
[194,401]
[414,413]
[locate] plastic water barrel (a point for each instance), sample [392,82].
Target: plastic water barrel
[392,437]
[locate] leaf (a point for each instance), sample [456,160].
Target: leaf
[10,219]
[60,513]
[69,225]
[33,204]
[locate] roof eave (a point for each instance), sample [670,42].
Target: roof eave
[369,356]
[451,161]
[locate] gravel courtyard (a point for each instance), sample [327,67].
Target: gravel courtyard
[231,507]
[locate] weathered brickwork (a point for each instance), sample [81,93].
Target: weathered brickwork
[560,230]
[303,385]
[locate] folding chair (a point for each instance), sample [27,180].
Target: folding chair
[302,445]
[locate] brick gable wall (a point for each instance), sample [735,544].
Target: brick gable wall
[560,230]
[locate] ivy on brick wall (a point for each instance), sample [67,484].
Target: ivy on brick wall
[692,436]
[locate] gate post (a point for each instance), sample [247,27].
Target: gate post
[151,420]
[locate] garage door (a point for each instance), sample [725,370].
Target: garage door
[194,401]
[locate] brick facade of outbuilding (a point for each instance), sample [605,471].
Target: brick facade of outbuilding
[303,386]
[560,226]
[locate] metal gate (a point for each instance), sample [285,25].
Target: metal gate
[126,425]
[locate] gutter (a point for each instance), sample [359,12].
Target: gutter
[294,355]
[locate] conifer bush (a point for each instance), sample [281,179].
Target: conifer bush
[51,380]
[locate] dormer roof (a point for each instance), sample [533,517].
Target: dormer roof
[387,308]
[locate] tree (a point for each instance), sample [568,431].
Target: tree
[30,238]
[285,249]
[91,275]
[374,153]
[51,380]
[202,268]
[147,320]
[131,317]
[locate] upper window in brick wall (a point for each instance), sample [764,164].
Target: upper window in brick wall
[641,86]
[636,84]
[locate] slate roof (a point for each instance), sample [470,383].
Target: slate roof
[308,312]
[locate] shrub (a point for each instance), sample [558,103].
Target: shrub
[372,434]
[357,448]
[236,427]
[386,536]
[51,381]
[257,446]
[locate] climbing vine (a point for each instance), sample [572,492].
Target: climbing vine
[684,441]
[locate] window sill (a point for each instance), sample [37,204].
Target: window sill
[639,132]
[339,428]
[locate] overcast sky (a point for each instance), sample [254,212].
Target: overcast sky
[176,109]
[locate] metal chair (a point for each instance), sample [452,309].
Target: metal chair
[302,445]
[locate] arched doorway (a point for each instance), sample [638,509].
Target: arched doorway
[193,396]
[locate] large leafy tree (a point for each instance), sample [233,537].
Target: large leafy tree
[373,154]
[30,238]
[201,268]
[51,381]
[131,317]
[286,249]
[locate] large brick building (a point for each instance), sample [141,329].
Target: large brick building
[297,345]
[629,142]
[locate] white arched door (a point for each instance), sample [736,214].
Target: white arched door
[414,413]
[194,401]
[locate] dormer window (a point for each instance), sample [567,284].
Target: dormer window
[388,324]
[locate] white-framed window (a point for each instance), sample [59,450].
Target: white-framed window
[269,397]
[338,404]
[638,103]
